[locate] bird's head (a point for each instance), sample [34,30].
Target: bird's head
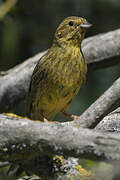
[71,31]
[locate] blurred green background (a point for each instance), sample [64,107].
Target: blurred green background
[29,28]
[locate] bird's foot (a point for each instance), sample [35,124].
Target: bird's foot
[73,117]
[46,121]
[43,119]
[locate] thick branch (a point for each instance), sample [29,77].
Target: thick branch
[110,123]
[102,50]
[24,139]
[99,52]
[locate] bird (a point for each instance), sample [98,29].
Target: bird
[60,73]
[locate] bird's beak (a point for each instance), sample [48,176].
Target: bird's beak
[85,25]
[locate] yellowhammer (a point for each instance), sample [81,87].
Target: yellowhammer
[60,73]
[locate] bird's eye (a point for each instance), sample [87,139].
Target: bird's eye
[71,23]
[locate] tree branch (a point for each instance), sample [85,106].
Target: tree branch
[22,139]
[14,83]
[4,164]
[105,104]
[102,50]
[110,123]
[99,52]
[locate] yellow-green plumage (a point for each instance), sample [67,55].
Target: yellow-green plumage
[59,74]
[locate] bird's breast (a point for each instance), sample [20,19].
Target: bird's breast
[70,67]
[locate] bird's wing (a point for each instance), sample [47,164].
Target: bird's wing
[38,79]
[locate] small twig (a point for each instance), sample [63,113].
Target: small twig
[4,164]
[6,7]
[29,178]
